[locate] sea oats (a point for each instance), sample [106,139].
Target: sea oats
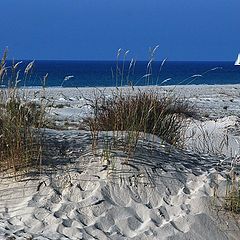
[160,69]
[29,67]
[68,77]
[166,80]
[119,52]
[17,64]
[131,63]
[149,63]
[45,79]
[126,53]
[155,49]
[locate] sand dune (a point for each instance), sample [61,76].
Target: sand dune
[160,193]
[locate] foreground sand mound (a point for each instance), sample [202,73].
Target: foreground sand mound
[160,193]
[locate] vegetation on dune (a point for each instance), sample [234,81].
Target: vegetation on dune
[131,116]
[20,121]
[141,113]
[125,118]
[138,113]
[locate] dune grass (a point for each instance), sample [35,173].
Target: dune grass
[20,122]
[133,114]
[126,116]
[232,195]
[141,112]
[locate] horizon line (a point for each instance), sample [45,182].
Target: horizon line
[98,60]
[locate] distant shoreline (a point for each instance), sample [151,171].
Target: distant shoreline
[138,86]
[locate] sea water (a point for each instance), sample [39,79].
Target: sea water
[110,73]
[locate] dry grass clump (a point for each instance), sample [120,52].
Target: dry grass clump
[18,142]
[138,114]
[232,192]
[232,197]
[20,122]
[134,114]
[228,197]
[209,141]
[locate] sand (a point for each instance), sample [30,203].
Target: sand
[160,193]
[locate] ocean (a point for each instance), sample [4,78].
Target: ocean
[110,73]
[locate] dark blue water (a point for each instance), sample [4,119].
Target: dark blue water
[103,73]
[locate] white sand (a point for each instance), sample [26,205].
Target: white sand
[161,193]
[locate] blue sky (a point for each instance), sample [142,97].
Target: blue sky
[95,29]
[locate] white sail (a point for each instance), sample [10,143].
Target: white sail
[237,62]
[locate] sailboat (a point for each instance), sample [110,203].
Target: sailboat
[237,62]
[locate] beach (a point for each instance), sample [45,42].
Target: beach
[160,192]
